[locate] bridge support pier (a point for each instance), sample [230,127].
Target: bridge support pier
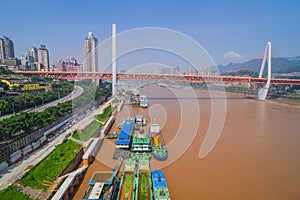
[263,91]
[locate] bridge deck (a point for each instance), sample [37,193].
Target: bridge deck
[159,77]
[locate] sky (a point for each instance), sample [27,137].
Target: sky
[230,31]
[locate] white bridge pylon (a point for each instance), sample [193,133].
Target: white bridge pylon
[263,91]
[114,61]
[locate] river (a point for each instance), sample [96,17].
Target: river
[255,157]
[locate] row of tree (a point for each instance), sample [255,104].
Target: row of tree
[15,104]
[5,71]
[28,122]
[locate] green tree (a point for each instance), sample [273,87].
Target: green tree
[35,78]
[5,71]
[4,108]
[4,85]
[16,88]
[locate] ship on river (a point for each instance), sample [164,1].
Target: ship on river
[135,98]
[143,101]
[138,100]
[136,181]
[159,148]
[160,189]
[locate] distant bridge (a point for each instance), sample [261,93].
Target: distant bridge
[107,76]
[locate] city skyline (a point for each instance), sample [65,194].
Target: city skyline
[230,32]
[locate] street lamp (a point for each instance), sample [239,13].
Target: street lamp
[58,95]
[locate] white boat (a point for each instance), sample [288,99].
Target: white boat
[143,101]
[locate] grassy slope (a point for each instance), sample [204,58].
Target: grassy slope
[106,114]
[49,168]
[87,132]
[12,193]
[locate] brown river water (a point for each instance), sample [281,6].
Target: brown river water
[257,155]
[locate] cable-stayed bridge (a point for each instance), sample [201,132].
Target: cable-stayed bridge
[168,77]
[124,76]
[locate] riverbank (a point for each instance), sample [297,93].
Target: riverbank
[289,101]
[16,172]
[69,188]
[294,101]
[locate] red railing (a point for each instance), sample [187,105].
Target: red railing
[158,77]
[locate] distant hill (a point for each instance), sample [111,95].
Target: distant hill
[279,65]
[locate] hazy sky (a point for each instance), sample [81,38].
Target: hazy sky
[230,31]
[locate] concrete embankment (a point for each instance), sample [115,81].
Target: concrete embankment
[120,106]
[92,151]
[107,126]
[67,188]
[73,179]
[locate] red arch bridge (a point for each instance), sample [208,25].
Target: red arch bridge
[107,76]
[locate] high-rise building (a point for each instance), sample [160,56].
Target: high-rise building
[27,63]
[69,65]
[7,50]
[90,53]
[32,52]
[28,60]
[1,50]
[43,57]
